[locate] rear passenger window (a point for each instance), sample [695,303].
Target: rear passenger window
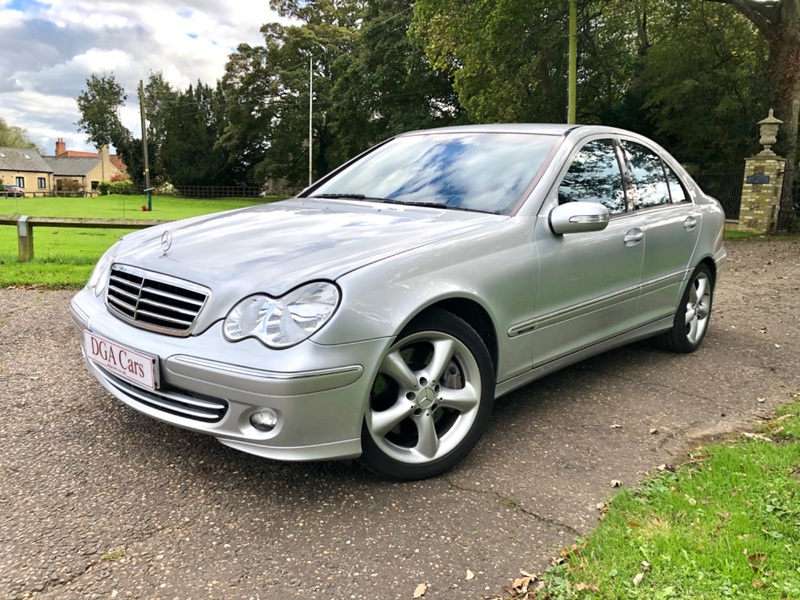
[676,187]
[594,176]
[648,174]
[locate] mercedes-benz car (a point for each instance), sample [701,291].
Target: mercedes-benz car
[379,313]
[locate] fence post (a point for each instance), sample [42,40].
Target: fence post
[25,237]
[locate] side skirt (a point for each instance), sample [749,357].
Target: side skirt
[640,333]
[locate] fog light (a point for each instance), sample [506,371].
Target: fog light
[264,420]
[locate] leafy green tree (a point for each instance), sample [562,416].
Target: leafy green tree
[387,85]
[193,125]
[268,89]
[99,106]
[12,136]
[779,23]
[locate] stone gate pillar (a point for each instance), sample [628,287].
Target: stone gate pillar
[763,179]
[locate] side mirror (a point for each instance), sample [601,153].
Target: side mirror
[575,217]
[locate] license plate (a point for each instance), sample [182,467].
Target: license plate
[132,365]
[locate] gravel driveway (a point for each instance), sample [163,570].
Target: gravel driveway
[97,500]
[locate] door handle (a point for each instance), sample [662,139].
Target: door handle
[633,237]
[690,223]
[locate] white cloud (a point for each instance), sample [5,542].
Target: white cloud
[47,50]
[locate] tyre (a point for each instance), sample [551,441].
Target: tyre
[431,400]
[693,314]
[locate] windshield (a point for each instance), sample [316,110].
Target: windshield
[485,172]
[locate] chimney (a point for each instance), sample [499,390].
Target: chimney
[105,163]
[61,147]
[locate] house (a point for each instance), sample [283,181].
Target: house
[61,150]
[75,171]
[24,167]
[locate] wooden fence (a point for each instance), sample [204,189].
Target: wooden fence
[25,225]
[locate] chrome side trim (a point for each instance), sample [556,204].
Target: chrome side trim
[574,311]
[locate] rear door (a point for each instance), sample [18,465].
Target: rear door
[671,224]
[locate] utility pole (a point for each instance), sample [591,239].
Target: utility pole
[148,190]
[573,62]
[310,117]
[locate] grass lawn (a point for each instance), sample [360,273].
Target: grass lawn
[725,525]
[64,257]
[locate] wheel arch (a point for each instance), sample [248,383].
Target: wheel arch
[475,315]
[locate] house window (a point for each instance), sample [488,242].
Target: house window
[21,182]
[94,185]
[42,183]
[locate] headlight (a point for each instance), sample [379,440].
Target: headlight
[99,276]
[285,321]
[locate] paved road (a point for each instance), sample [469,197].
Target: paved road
[99,501]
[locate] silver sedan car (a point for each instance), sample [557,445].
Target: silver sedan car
[380,313]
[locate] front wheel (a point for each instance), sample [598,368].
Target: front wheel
[694,312]
[431,400]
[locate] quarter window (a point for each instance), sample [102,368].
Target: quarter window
[648,175]
[594,176]
[676,188]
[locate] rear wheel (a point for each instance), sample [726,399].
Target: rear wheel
[693,314]
[431,400]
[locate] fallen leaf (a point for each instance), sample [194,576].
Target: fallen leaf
[645,566]
[420,591]
[526,574]
[470,575]
[587,586]
[600,506]
[654,430]
[633,524]
[761,400]
[638,579]
[757,583]
[615,483]
[662,467]
[521,584]
[724,516]
[616,426]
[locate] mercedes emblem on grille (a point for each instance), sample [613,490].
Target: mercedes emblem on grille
[166,241]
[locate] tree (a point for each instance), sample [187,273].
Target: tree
[12,136]
[387,85]
[779,22]
[99,106]
[193,125]
[268,90]
[508,59]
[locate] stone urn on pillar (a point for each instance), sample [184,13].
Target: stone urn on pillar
[768,130]
[763,178]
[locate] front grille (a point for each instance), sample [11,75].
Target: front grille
[154,301]
[182,403]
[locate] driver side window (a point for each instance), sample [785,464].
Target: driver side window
[594,176]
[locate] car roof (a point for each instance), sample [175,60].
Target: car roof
[541,128]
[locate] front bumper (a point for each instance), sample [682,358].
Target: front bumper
[213,386]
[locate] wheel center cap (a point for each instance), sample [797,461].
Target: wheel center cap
[426,398]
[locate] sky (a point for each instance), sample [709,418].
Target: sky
[49,48]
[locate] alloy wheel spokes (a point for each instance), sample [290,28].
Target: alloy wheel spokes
[395,367]
[462,400]
[428,440]
[443,351]
[382,422]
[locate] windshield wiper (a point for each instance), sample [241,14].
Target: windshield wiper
[383,200]
[399,202]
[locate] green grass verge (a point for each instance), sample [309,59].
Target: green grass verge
[725,525]
[64,257]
